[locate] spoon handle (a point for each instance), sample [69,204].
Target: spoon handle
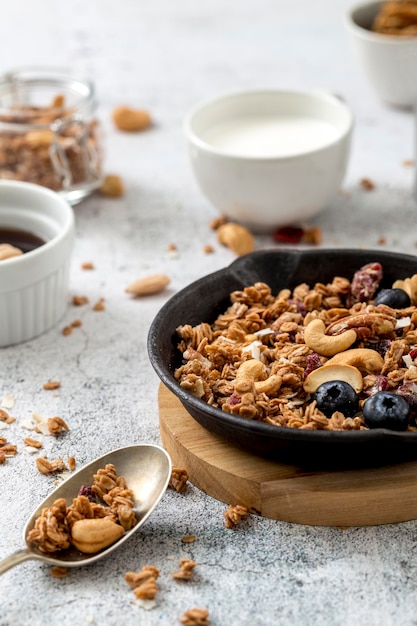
[15,559]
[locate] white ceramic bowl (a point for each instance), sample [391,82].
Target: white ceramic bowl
[268,158]
[34,286]
[389,62]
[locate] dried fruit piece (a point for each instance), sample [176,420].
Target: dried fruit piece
[131,120]
[148,285]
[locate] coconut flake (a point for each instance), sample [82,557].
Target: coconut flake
[226,339]
[263,331]
[408,360]
[31,449]
[7,402]
[403,322]
[254,349]
[28,424]
[3,425]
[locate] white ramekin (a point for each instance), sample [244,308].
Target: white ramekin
[34,286]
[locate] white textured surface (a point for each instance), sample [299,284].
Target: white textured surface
[166,56]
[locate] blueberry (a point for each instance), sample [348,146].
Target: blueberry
[336,395]
[386,410]
[395,298]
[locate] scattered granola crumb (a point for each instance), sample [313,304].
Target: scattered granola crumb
[112,186]
[186,569]
[143,582]
[172,247]
[188,539]
[312,235]
[366,183]
[8,449]
[218,221]
[76,323]
[56,425]
[67,330]
[208,249]
[50,467]
[99,305]
[2,457]
[178,480]
[88,265]
[195,617]
[71,463]
[33,443]
[58,571]
[408,162]
[79,300]
[234,515]
[5,417]
[382,241]
[52,384]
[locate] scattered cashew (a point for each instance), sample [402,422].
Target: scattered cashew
[327,345]
[326,373]
[367,361]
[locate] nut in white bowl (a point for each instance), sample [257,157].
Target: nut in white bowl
[389,61]
[268,158]
[34,285]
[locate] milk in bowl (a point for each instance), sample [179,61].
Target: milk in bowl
[270,158]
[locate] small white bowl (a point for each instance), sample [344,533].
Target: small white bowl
[34,286]
[389,61]
[268,158]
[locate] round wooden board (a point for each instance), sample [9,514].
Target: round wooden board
[357,497]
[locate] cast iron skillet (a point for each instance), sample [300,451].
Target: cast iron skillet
[205,299]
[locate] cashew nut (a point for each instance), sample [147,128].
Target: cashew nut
[367,361]
[251,370]
[326,373]
[409,285]
[255,371]
[327,345]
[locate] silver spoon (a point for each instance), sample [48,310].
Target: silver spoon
[147,470]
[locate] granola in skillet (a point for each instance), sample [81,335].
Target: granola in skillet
[265,357]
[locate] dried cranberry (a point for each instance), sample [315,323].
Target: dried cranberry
[301,307]
[288,234]
[88,493]
[413,353]
[313,361]
[381,384]
[365,282]
[234,399]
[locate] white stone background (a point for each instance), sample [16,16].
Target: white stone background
[165,57]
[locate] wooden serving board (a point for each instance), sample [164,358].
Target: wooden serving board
[357,497]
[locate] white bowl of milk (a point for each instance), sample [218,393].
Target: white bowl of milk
[269,158]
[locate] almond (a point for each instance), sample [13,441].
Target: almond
[148,285]
[236,237]
[131,120]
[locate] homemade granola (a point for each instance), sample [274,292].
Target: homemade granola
[266,355]
[397,18]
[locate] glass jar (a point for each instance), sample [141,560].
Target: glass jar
[49,134]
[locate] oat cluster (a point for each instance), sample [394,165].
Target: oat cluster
[143,582]
[255,360]
[178,480]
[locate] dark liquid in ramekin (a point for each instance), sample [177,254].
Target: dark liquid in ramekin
[20,239]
